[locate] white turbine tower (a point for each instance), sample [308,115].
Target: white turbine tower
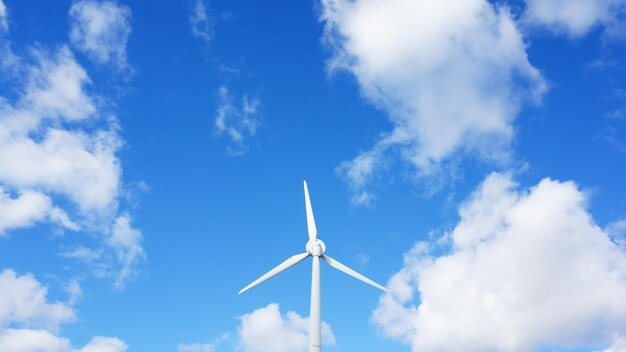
[314,248]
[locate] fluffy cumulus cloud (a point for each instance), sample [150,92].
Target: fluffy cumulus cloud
[105,344]
[36,151]
[200,20]
[23,210]
[30,323]
[527,269]
[450,75]
[100,29]
[238,121]
[265,329]
[577,17]
[24,301]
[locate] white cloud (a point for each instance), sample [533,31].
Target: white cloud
[577,17]
[126,242]
[617,231]
[74,291]
[23,301]
[105,344]
[35,149]
[238,122]
[4,24]
[619,345]
[28,208]
[195,347]
[22,211]
[59,216]
[450,75]
[527,270]
[200,20]
[55,89]
[83,254]
[55,146]
[100,29]
[266,330]
[27,340]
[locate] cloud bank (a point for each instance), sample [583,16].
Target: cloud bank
[527,269]
[59,144]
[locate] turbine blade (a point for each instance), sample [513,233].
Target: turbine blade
[335,264]
[277,270]
[310,221]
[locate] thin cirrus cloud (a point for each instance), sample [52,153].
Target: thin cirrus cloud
[4,25]
[200,20]
[577,17]
[58,153]
[451,77]
[527,269]
[195,347]
[30,323]
[238,120]
[100,30]
[235,118]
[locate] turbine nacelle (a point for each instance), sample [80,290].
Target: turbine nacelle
[315,247]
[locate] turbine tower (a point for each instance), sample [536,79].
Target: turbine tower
[314,248]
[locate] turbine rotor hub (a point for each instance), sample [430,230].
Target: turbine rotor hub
[316,247]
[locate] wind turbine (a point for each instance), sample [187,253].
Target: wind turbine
[314,248]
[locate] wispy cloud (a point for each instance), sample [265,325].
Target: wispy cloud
[100,30]
[238,119]
[527,268]
[195,347]
[126,242]
[4,22]
[451,76]
[200,20]
[577,18]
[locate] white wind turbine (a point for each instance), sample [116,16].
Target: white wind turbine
[314,248]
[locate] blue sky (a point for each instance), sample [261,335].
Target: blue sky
[468,155]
